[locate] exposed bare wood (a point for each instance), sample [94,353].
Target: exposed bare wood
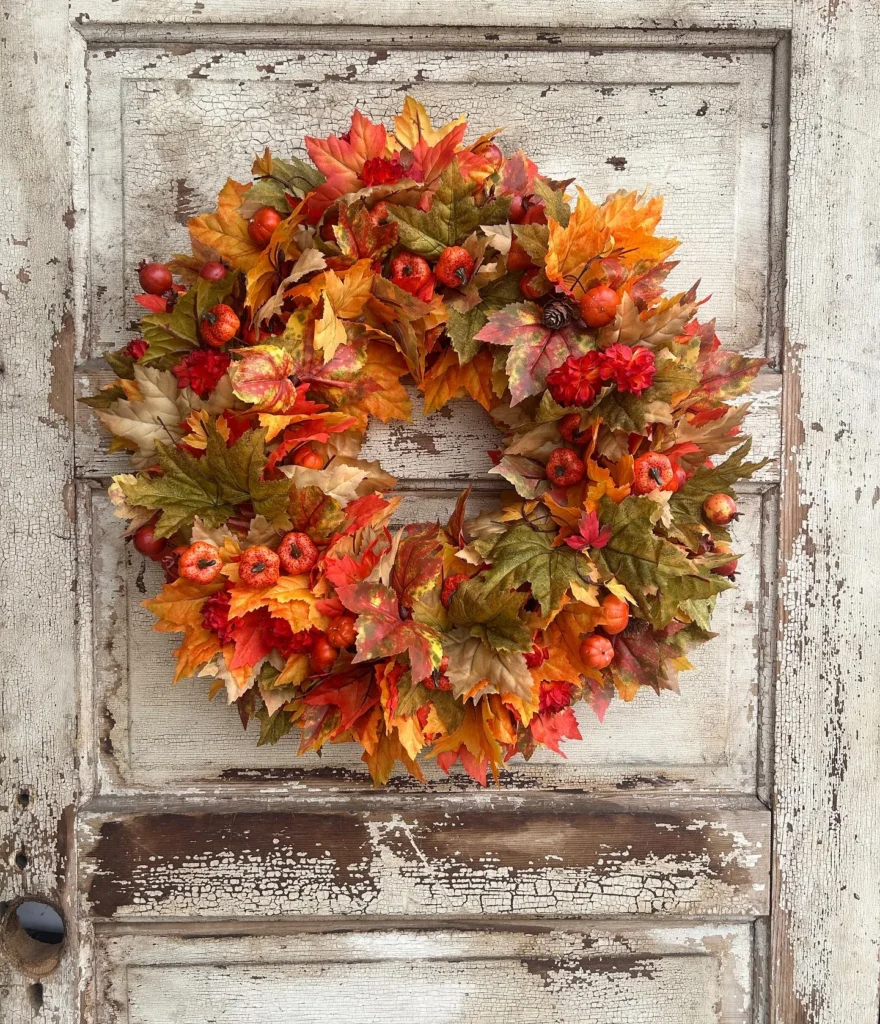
[38,218]
[491,854]
[826,927]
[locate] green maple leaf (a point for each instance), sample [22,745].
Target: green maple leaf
[273,727]
[413,696]
[493,616]
[554,198]
[535,350]
[535,239]
[213,486]
[454,214]
[177,331]
[657,573]
[524,555]
[463,328]
[686,505]
[382,633]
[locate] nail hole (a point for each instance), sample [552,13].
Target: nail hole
[36,995]
[21,861]
[32,936]
[24,797]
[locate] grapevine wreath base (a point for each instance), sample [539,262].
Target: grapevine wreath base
[309,294]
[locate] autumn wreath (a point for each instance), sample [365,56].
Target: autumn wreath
[309,294]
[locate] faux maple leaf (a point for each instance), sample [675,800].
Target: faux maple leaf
[344,295]
[341,159]
[523,555]
[360,236]
[352,693]
[413,125]
[155,416]
[382,633]
[223,235]
[454,215]
[657,573]
[550,729]
[535,350]
[590,533]
[262,378]
[213,486]
[448,379]
[417,563]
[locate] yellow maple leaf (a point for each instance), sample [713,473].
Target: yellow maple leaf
[179,604]
[413,123]
[198,426]
[381,760]
[245,599]
[296,669]
[448,379]
[344,295]
[224,233]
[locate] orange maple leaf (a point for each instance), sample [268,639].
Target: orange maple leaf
[224,234]
[448,379]
[620,226]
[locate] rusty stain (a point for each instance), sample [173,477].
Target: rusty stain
[617,162]
[61,370]
[68,219]
[23,276]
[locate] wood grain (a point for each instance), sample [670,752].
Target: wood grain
[490,854]
[615,973]
[39,218]
[826,925]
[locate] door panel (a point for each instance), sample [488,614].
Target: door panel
[660,975]
[156,734]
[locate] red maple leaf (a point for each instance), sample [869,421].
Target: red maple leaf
[550,729]
[591,534]
[251,634]
[341,160]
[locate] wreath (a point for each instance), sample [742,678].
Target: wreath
[309,294]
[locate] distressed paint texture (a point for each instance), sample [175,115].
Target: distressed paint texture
[37,581]
[604,973]
[826,928]
[474,856]
[183,863]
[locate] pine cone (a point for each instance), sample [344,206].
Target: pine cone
[556,315]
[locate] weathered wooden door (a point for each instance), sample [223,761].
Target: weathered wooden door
[695,860]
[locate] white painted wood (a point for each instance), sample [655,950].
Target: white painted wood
[154,734]
[694,126]
[615,974]
[826,927]
[826,920]
[39,214]
[686,14]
